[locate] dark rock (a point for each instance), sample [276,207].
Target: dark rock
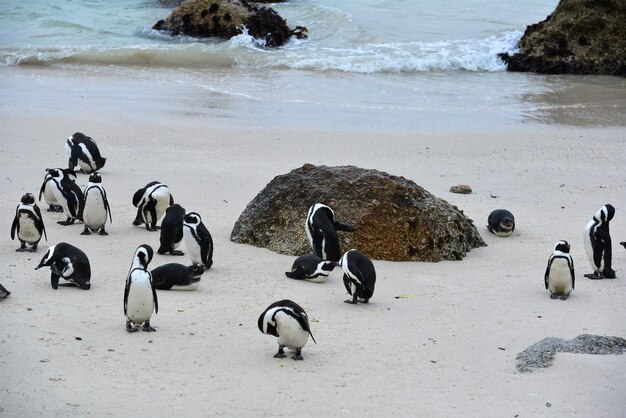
[542,353]
[225,19]
[579,37]
[393,218]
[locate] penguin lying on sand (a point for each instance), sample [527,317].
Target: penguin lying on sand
[501,222]
[176,276]
[311,268]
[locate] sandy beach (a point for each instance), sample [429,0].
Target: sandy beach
[446,348]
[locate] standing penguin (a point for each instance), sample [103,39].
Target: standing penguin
[67,194]
[198,240]
[597,241]
[140,297]
[321,229]
[95,206]
[68,262]
[46,189]
[172,230]
[501,222]
[151,202]
[359,276]
[288,322]
[28,224]
[311,268]
[559,278]
[84,152]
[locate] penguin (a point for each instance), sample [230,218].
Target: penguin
[46,189]
[198,240]
[359,276]
[3,292]
[151,202]
[288,322]
[95,206]
[501,222]
[597,240]
[176,276]
[311,268]
[321,229]
[623,244]
[559,278]
[140,297]
[172,230]
[67,194]
[68,262]
[84,152]
[28,223]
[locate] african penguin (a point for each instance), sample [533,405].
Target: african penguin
[46,189]
[198,240]
[288,322]
[623,244]
[140,297]
[84,152]
[67,194]
[311,268]
[321,229]
[172,230]
[68,262]
[151,202]
[501,222]
[3,292]
[559,278]
[177,276]
[359,276]
[28,223]
[597,240]
[95,206]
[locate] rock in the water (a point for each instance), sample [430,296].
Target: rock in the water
[393,218]
[542,353]
[461,189]
[225,19]
[579,37]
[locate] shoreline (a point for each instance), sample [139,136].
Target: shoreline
[447,349]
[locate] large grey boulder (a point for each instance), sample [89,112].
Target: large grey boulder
[393,218]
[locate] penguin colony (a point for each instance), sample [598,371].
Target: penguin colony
[285,319]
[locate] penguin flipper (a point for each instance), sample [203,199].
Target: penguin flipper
[54,280]
[545,277]
[40,221]
[154,298]
[297,273]
[106,205]
[126,289]
[346,284]
[14,225]
[43,188]
[343,226]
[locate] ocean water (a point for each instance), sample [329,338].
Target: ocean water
[388,64]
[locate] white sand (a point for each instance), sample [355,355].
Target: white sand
[446,350]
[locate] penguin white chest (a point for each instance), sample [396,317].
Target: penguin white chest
[48,194]
[162,199]
[193,247]
[140,303]
[94,212]
[560,278]
[28,231]
[290,332]
[88,165]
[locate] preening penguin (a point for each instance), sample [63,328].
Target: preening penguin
[95,206]
[321,229]
[597,241]
[28,223]
[172,230]
[311,268]
[68,262]
[46,189]
[559,278]
[67,194]
[84,152]
[288,322]
[177,276]
[198,240]
[501,222]
[151,202]
[359,276]
[140,297]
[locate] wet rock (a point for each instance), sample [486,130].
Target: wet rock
[461,189]
[542,353]
[225,19]
[579,37]
[393,218]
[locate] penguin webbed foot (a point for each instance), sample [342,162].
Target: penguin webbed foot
[594,276]
[364,301]
[86,231]
[298,355]
[553,295]
[130,328]
[103,232]
[610,274]
[22,248]
[147,327]
[33,249]
[280,353]
[564,297]
[68,221]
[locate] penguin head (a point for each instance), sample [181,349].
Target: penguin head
[95,178]
[195,271]
[28,199]
[192,219]
[507,223]
[56,173]
[562,246]
[605,213]
[49,257]
[267,324]
[143,256]
[328,265]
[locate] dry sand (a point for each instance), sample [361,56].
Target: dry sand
[447,349]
